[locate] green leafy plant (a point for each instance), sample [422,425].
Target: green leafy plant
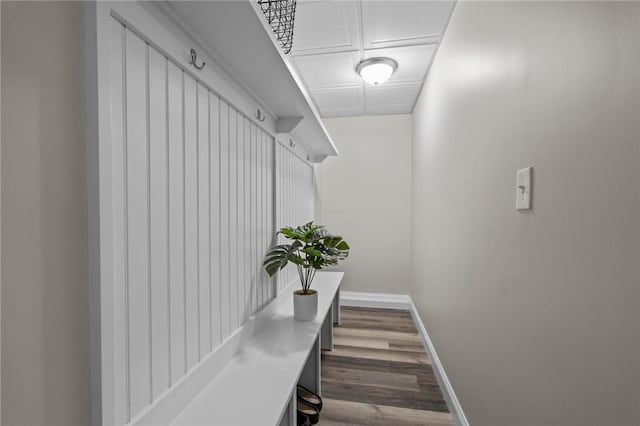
[312,248]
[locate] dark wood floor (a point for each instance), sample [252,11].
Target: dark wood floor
[379,374]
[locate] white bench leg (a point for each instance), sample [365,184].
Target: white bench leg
[310,377]
[326,332]
[336,308]
[290,416]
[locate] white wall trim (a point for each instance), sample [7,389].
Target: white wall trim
[459,417]
[404,302]
[375,300]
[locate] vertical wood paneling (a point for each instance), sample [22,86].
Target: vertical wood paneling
[240,214]
[281,195]
[224,219]
[254,215]
[137,197]
[268,212]
[191,220]
[265,217]
[246,191]
[266,282]
[258,210]
[294,195]
[194,186]
[119,237]
[268,224]
[158,187]
[176,224]
[216,315]
[290,219]
[247,219]
[204,259]
[280,200]
[258,223]
[260,217]
[233,219]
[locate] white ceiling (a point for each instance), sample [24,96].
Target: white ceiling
[332,37]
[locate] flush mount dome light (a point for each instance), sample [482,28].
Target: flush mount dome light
[376,70]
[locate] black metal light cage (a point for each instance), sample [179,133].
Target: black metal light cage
[280,15]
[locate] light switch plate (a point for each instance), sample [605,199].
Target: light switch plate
[523,188]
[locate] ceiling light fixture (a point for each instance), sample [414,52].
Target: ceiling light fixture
[376,70]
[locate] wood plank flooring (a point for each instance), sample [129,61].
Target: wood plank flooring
[378,373]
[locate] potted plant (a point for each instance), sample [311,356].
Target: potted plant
[311,248]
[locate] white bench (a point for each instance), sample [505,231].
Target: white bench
[274,353]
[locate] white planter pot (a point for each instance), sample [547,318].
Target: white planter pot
[305,306]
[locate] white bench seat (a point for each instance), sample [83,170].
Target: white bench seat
[257,385]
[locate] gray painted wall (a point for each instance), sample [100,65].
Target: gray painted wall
[533,314]
[365,195]
[45,337]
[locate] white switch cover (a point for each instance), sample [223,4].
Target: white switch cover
[523,189]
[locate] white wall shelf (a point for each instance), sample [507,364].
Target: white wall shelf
[237,36]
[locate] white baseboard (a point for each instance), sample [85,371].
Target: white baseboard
[404,302]
[374,300]
[459,418]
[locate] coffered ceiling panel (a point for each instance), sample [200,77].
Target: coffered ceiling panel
[413,61]
[393,23]
[339,102]
[389,109]
[392,94]
[391,99]
[326,26]
[332,37]
[330,69]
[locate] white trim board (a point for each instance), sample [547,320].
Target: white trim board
[375,300]
[404,302]
[459,418]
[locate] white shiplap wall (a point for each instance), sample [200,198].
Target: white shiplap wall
[294,197]
[192,213]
